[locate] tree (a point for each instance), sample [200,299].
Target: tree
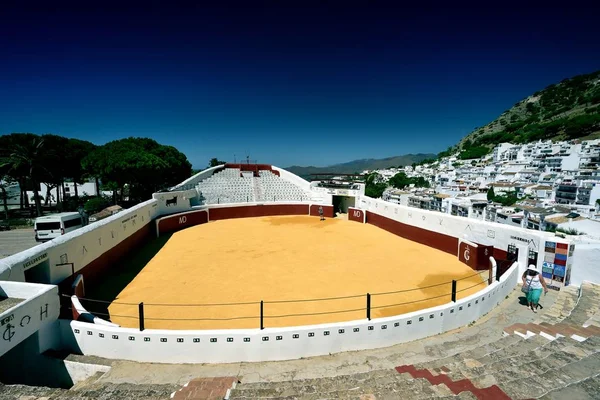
[375,190]
[95,204]
[142,164]
[374,185]
[215,162]
[507,199]
[4,180]
[400,180]
[23,155]
[473,152]
[490,194]
[77,150]
[55,165]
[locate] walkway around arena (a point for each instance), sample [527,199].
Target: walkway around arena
[487,330]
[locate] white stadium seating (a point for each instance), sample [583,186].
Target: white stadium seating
[231,185]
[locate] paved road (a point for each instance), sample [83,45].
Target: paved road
[16,240]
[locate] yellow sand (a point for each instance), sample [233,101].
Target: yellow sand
[287,258]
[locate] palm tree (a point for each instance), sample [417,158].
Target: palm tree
[3,194]
[26,155]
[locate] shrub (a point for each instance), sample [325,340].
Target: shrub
[95,204]
[473,152]
[569,231]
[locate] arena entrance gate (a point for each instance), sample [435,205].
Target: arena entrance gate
[512,255]
[341,203]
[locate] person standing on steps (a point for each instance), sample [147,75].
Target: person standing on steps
[321,213]
[533,282]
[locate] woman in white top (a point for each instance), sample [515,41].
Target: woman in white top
[534,282]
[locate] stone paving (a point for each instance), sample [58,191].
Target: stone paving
[562,307]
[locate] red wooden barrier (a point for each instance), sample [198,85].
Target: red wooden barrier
[356,214]
[327,210]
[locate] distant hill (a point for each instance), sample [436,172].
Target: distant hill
[566,110]
[361,165]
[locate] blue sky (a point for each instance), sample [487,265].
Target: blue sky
[316,84]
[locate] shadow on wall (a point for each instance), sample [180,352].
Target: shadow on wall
[24,365]
[108,287]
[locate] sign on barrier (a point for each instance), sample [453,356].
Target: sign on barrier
[180,221]
[355,214]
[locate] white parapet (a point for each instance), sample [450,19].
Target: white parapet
[28,307]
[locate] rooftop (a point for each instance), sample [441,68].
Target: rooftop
[8,302]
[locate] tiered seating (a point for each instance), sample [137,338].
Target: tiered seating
[229,186]
[226,186]
[89,391]
[274,188]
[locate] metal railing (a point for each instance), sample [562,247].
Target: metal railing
[268,310]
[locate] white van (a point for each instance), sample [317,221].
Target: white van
[55,225]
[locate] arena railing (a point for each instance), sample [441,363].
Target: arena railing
[357,306]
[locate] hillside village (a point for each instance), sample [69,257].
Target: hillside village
[544,185]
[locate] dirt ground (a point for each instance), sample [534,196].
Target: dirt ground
[192,281]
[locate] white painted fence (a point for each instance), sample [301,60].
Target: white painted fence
[248,345]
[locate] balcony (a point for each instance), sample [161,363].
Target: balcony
[567,188]
[565,196]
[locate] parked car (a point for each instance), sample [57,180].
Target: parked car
[4,226]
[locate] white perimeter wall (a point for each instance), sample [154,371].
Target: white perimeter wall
[177,201]
[80,246]
[586,262]
[482,232]
[251,345]
[39,308]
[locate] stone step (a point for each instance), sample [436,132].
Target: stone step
[96,391]
[576,330]
[494,363]
[474,353]
[10,392]
[216,388]
[122,391]
[462,396]
[491,392]
[518,348]
[559,329]
[518,329]
[533,384]
[88,381]
[562,307]
[343,381]
[552,330]
[506,372]
[333,389]
[587,389]
[587,306]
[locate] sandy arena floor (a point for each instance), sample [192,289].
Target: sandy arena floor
[282,259]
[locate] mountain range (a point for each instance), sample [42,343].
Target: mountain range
[358,166]
[569,109]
